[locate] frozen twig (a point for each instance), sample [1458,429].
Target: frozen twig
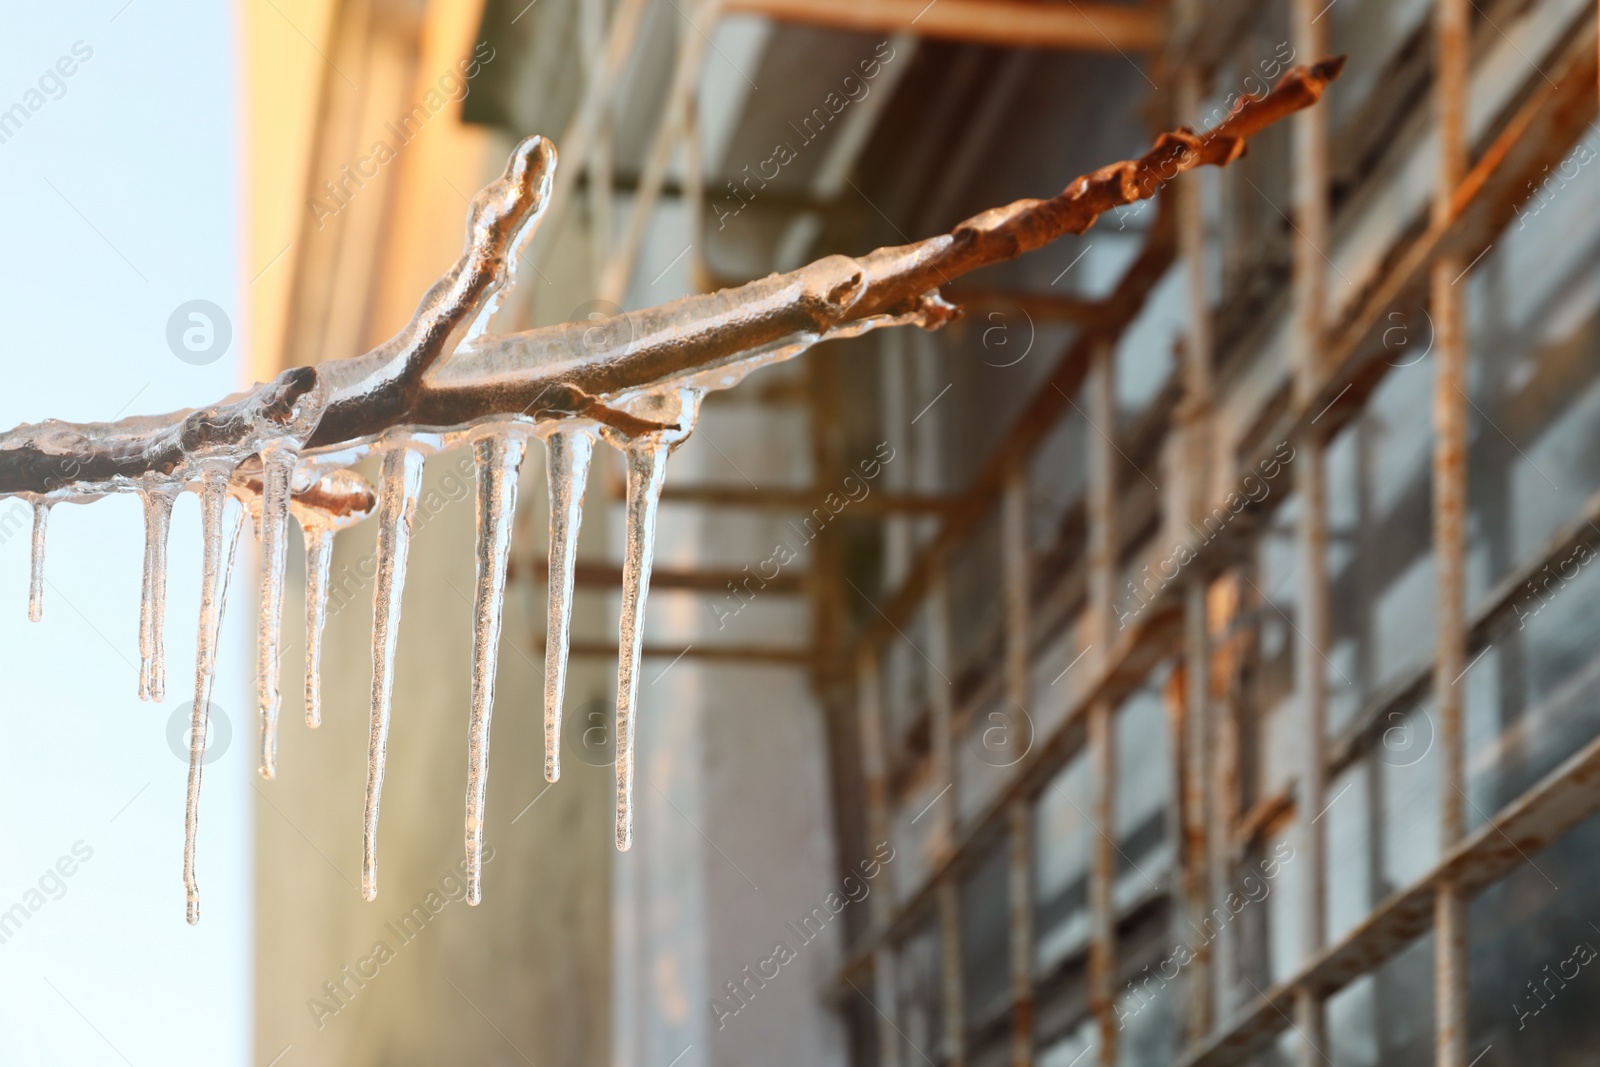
[635,380]
[426,379]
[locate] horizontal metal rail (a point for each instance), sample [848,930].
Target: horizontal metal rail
[1088,27]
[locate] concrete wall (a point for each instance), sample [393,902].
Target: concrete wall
[526,972]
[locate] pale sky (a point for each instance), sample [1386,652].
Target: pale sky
[120,194]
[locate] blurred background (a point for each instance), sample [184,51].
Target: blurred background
[1186,657]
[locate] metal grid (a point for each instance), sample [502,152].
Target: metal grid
[1335,366]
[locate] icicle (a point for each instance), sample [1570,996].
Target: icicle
[318,525]
[41,515]
[568,454]
[215,570]
[153,595]
[400,484]
[647,467]
[272,527]
[319,562]
[497,459]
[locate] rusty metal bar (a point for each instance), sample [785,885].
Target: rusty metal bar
[590,137]
[1197,758]
[941,701]
[1560,801]
[1091,27]
[1554,114]
[1309,170]
[795,657]
[1489,616]
[1538,132]
[869,720]
[942,754]
[1200,34]
[1015,560]
[1196,809]
[1311,785]
[885,971]
[805,500]
[1050,402]
[598,192]
[1453,28]
[1019,824]
[1100,393]
[675,118]
[1046,307]
[1191,235]
[954,1011]
[1222,788]
[742,583]
[1102,880]
[694,196]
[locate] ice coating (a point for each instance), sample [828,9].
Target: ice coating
[272,528]
[319,563]
[338,499]
[442,379]
[153,595]
[567,453]
[41,516]
[215,569]
[647,471]
[498,459]
[399,485]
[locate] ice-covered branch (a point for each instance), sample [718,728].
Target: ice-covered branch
[422,379]
[634,380]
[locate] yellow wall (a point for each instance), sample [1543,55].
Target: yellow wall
[283,74]
[285,45]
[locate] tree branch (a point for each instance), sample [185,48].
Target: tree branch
[442,373]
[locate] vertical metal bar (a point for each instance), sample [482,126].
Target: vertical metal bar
[694,191]
[1099,386]
[1222,744]
[1014,561]
[1014,553]
[1191,225]
[1102,879]
[591,43]
[1311,785]
[874,788]
[594,119]
[886,994]
[1102,755]
[955,1019]
[942,713]
[894,386]
[1194,807]
[1309,167]
[692,45]
[1019,824]
[1449,532]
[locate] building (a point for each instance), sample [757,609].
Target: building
[1211,647]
